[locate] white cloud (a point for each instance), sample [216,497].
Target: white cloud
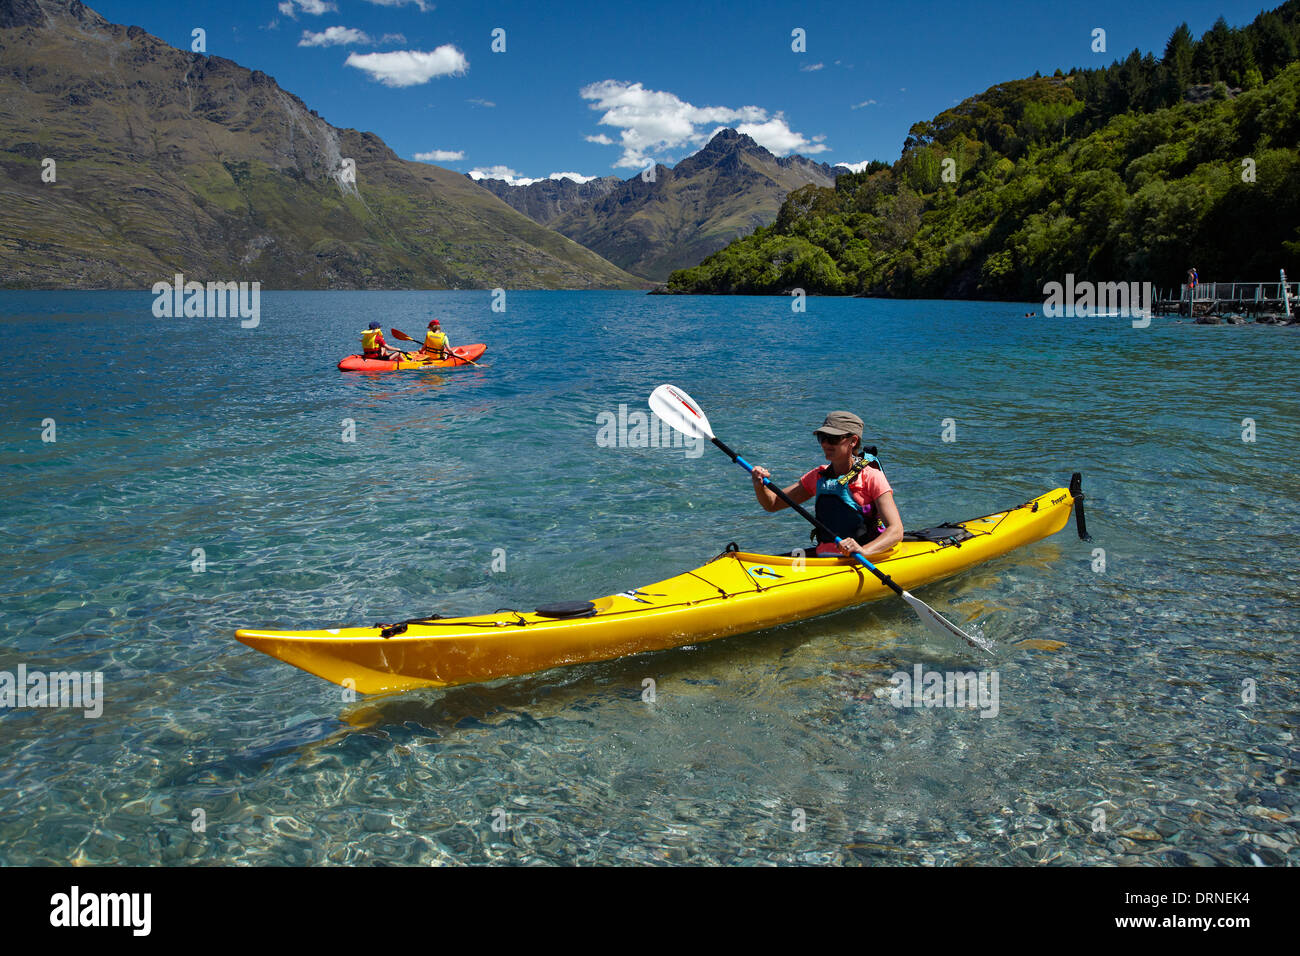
[600,138]
[858,106]
[477,101]
[514,179]
[652,121]
[811,67]
[334,36]
[315,7]
[424,7]
[500,172]
[410,67]
[778,137]
[392,38]
[441,156]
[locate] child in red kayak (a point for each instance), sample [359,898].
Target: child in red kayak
[854,498]
[373,345]
[436,347]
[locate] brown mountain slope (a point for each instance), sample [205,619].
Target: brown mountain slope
[169,161]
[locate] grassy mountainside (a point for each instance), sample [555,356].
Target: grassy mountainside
[725,190]
[170,161]
[1132,172]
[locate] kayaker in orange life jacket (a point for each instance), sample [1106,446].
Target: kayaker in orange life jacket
[854,499]
[436,346]
[373,345]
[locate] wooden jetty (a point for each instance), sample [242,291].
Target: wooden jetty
[1262,300]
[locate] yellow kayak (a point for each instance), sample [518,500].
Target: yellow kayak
[735,593]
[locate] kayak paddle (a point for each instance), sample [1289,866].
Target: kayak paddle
[399,334]
[679,410]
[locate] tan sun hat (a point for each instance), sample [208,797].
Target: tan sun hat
[840,423]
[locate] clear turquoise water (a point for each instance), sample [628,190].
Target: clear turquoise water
[1121,691]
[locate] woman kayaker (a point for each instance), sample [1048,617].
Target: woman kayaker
[854,498]
[435,346]
[373,345]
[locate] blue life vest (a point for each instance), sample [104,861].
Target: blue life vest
[839,510]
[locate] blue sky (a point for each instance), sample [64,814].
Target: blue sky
[602,89]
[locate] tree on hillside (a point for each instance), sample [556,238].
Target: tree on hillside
[1275,45]
[1238,56]
[1205,59]
[806,202]
[1178,64]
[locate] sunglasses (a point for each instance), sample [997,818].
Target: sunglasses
[831,439]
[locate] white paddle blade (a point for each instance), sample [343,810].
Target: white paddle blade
[931,619]
[679,410]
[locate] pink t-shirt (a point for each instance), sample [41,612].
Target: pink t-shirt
[869,485]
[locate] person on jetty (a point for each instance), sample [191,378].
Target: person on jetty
[373,345]
[854,499]
[436,347]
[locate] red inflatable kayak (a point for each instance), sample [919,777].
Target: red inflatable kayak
[462,355]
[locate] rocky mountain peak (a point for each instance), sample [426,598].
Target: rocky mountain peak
[723,151]
[730,141]
[45,13]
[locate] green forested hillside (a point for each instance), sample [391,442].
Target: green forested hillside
[1132,172]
